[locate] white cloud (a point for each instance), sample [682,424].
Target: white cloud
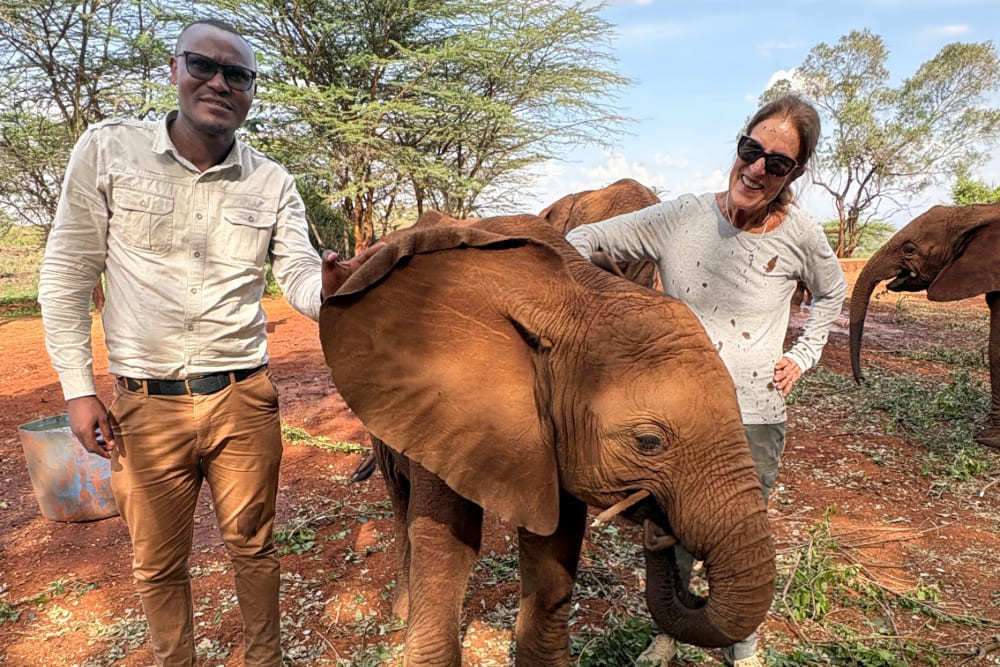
[553,180]
[699,183]
[669,161]
[614,3]
[617,166]
[791,74]
[767,48]
[651,34]
[949,30]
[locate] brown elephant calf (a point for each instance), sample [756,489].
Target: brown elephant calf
[953,252]
[498,370]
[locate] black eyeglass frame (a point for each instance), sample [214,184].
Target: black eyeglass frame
[227,70]
[776,164]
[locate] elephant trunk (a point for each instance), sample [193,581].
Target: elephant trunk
[741,573]
[880,267]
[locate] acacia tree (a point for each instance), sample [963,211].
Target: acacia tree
[409,104]
[884,144]
[67,64]
[968,190]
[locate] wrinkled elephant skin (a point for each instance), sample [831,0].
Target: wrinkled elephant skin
[498,370]
[953,252]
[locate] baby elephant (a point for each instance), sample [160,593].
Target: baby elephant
[498,370]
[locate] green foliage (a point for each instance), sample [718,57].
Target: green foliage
[870,236]
[299,436]
[819,578]
[968,191]
[498,568]
[8,612]
[294,539]
[124,635]
[883,143]
[617,644]
[376,107]
[943,417]
[816,578]
[68,64]
[440,104]
[21,251]
[953,356]
[271,287]
[874,653]
[327,225]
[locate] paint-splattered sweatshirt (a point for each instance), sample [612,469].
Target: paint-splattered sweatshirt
[738,284]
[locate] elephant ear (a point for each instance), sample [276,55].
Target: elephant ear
[975,270]
[558,214]
[434,344]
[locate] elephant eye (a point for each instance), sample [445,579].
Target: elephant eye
[909,249]
[649,443]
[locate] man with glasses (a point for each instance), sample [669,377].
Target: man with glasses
[180,216]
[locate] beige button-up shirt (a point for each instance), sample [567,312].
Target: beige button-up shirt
[183,253]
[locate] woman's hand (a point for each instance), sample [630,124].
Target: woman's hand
[786,374]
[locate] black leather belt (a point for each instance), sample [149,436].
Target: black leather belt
[202,384]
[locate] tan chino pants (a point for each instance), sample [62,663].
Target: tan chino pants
[165,447]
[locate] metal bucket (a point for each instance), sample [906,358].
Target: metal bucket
[70,483]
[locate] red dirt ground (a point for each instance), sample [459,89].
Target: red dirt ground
[71,586]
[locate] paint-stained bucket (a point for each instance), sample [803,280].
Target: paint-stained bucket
[70,483]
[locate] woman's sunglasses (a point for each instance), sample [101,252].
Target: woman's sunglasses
[775,164]
[204,68]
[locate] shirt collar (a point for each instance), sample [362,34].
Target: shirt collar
[162,145]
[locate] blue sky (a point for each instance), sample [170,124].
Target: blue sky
[700,65]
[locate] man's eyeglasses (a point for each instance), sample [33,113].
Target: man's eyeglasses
[204,68]
[776,164]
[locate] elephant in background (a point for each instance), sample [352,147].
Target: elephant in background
[954,253]
[582,208]
[497,370]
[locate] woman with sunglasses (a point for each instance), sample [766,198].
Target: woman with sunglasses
[735,258]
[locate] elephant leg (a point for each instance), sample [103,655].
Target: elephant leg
[990,436]
[445,531]
[548,572]
[398,485]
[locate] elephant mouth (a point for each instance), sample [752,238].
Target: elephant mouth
[907,281]
[640,507]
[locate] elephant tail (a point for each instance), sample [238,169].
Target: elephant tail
[364,469]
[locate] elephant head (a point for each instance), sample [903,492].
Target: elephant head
[952,252]
[501,361]
[571,211]
[583,208]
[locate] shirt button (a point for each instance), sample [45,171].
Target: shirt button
[197,254]
[251,218]
[194,290]
[198,216]
[190,327]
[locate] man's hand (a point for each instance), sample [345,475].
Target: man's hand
[86,415]
[336,273]
[786,374]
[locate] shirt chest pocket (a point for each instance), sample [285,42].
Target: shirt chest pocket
[248,231]
[146,220]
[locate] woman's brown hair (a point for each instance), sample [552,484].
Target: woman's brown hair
[804,117]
